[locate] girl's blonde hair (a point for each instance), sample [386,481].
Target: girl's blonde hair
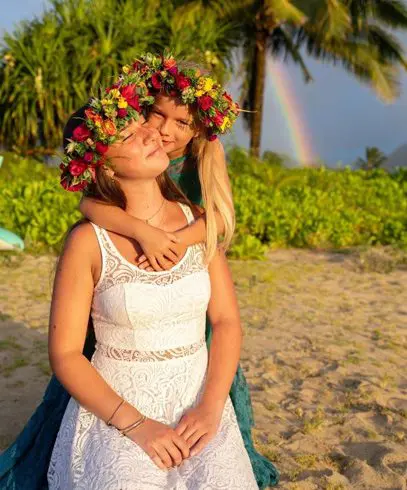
[216,193]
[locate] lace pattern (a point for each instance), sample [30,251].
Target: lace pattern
[148,356]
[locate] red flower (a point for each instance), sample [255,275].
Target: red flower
[81,133]
[173,71]
[77,167]
[173,93]
[101,148]
[205,102]
[135,103]
[156,81]
[227,96]
[130,94]
[182,81]
[88,156]
[212,137]
[218,119]
[122,113]
[65,183]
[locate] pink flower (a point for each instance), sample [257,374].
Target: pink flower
[81,133]
[101,148]
[88,156]
[212,137]
[205,102]
[77,167]
[173,71]
[122,113]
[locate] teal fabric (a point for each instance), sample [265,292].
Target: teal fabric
[24,465]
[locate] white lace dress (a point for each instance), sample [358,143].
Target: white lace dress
[150,331]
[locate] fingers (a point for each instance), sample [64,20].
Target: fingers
[164,456]
[154,264]
[194,437]
[173,238]
[182,445]
[141,259]
[172,256]
[157,461]
[175,453]
[203,441]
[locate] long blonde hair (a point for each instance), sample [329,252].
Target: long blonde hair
[216,193]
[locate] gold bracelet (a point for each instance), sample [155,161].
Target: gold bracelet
[133,426]
[109,422]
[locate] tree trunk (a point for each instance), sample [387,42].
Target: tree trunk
[259,78]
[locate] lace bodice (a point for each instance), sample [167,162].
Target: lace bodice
[162,310]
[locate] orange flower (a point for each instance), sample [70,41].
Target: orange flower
[109,128]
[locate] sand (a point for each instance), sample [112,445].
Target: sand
[324,354]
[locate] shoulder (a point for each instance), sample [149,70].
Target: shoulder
[81,243]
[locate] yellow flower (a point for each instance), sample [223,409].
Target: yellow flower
[107,102]
[126,69]
[115,93]
[122,104]
[198,93]
[225,123]
[213,94]
[201,83]
[208,84]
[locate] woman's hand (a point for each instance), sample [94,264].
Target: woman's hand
[199,425]
[168,258]
[160,249]
[161,443]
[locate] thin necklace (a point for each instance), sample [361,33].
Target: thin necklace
[155,214]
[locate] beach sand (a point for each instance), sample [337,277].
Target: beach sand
[325,339]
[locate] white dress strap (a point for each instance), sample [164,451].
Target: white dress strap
[188,212]
[101,238]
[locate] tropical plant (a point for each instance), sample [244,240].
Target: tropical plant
[52,64]
[356,34]
[374,158]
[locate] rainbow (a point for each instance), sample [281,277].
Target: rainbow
[291,109]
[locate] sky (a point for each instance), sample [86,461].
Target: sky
[335,116]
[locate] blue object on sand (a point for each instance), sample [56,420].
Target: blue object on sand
[10,241]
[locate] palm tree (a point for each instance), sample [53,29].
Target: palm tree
[353,33]
[52,64]
[374,158]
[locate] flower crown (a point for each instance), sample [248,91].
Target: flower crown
[103,121]
[126,99]
[214,107]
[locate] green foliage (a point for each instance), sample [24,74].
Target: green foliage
[50,66]
[33,204]
[275,206]
[317,208]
